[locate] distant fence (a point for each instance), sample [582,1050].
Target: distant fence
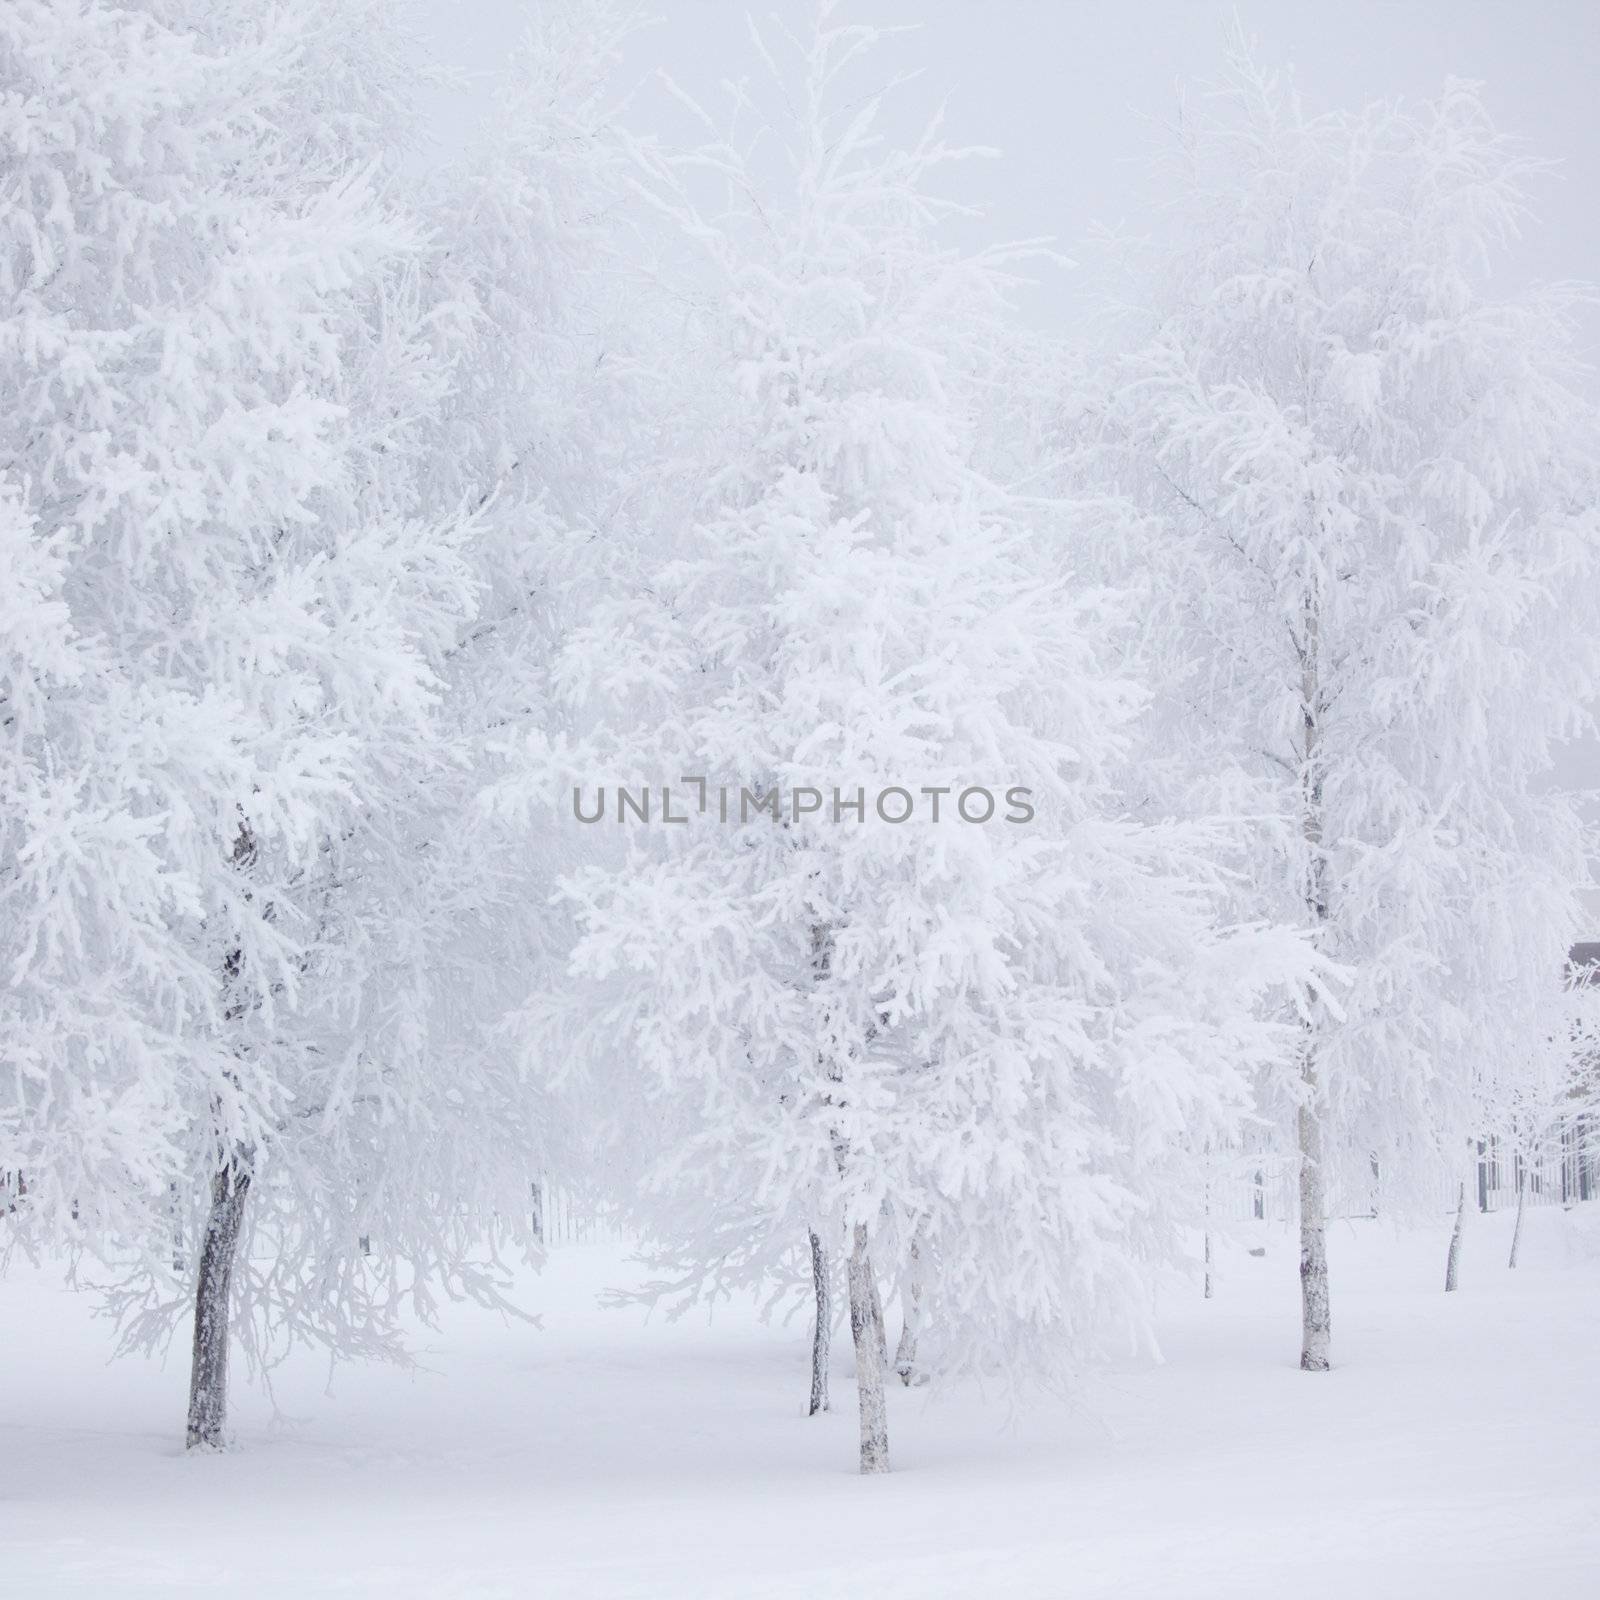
[562,1216]
[1563,1169]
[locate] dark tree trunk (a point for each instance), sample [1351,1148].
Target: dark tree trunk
[230,1186]
[208,1373]
[821,1333]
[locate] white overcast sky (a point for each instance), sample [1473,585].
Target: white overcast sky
[1073,92]
[1070,91]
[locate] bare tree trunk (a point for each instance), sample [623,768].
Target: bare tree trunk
[1522,1202]
[866,1307]
[880,1322]
[905,1355]
[208,1373]
[179,1254]
[1452,1263]
[1208,1263]
[821,1334]
[1316,1322]
[866,1329]
[230,1185]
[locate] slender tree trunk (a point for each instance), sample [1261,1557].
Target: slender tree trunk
[1316,1322]
[208,1373]
[230,1186]
[905,1355]
[1208,1263]
[880,1322]
[822,1333]
[866,1307]
[1522,1202]
[866,1329]
[1452,1263]
[179,1254]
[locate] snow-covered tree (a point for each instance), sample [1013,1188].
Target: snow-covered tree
[222,691]
[889,964]
[1372,528]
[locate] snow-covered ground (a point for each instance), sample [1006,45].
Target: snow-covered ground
[1455,1451]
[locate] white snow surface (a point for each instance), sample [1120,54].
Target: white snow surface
[1453,1451]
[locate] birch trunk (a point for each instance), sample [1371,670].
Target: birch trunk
[230,1184]
[180,1261]
[1522,1202]
[208,1373]
[880,1322]
[866,1307]
[866,1329]
[1316,1322]
[905,1355]
[821,1335]
[1452,1263]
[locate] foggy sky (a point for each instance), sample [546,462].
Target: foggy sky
[1074,94]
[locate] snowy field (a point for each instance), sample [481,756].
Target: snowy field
[1455,1451]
